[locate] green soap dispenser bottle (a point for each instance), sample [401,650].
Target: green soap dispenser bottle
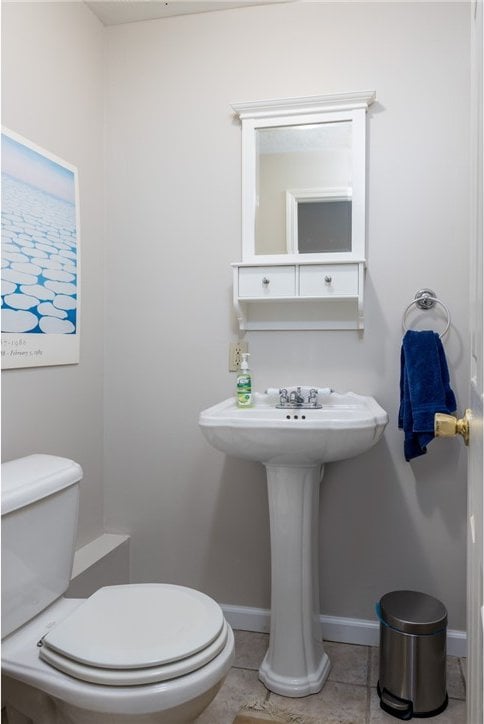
[244,383]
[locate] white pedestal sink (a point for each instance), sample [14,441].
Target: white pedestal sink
[294,444]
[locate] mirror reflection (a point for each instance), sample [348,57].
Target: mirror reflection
[303,188]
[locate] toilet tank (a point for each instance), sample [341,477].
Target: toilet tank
[40,504]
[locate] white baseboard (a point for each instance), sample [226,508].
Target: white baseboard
[333,628]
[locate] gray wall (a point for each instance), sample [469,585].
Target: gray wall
[173,170]
[53,94]
[173,226]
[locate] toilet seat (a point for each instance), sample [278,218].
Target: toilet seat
[133,677]
[137,634]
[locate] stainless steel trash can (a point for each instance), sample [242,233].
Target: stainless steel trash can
[413,634]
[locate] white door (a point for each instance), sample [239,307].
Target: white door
[475,539]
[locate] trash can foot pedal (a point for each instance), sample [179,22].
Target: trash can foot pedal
[400,708]
[403,708]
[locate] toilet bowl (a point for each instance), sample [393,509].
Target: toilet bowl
[133,654]
[48,695]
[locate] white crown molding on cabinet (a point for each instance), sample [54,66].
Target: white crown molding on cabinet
[308,104]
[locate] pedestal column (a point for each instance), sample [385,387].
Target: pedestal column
[296,663]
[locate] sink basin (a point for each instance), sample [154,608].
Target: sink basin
[345,426]
[294,444]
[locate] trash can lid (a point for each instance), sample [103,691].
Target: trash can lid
[413,612]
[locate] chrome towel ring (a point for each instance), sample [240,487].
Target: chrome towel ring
[426,299]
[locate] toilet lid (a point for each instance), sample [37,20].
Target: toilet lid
[137,626]
[136,677]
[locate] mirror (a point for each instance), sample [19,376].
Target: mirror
[303,178]
[303,188]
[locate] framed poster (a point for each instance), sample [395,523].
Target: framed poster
[40,256]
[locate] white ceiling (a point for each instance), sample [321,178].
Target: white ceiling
[117,12]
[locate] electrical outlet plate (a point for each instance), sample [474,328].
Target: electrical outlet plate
[235,355]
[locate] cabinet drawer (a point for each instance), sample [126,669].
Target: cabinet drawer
[328,280]
[266,282]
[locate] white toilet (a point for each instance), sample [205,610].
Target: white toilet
[134,654]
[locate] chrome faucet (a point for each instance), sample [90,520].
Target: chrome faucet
[296,399]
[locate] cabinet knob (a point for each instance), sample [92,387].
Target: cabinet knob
[266,281]
[328,279]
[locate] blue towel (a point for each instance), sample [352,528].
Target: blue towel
[424,390]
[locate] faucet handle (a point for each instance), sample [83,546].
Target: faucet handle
[313,396]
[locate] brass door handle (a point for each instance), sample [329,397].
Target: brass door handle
[449,426]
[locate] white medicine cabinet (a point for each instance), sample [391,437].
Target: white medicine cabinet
[303,213]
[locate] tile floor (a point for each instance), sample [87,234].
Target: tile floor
[348,697]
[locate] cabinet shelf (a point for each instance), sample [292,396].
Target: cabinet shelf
[307,295]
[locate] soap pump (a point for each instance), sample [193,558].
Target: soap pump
[244,383]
